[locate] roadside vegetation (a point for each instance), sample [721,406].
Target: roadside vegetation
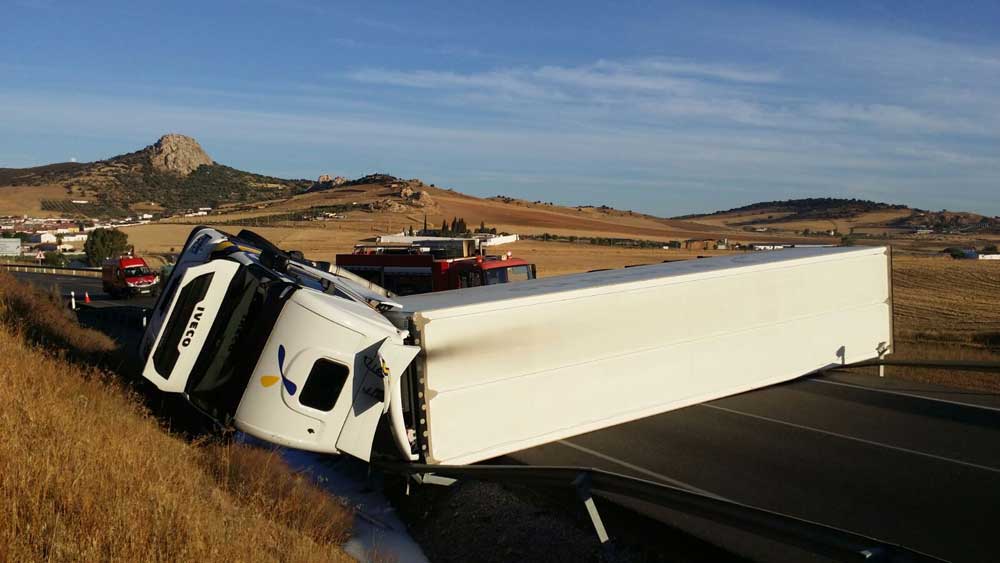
[88,474]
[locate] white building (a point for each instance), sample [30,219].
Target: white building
[41,238]
[989,256]
[75,237]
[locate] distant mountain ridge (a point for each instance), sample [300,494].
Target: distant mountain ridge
[896,216]
[807,208]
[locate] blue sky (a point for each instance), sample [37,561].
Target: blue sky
[660,107]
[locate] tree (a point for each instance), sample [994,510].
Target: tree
[444,227]
[103,244]
[989,249]
[57,259]
[482,227]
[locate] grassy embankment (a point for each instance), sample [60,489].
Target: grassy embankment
[87,474]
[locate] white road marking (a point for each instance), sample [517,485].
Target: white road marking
[913,395]
[644,471]
[854,439]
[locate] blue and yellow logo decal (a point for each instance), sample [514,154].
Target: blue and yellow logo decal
[269,380]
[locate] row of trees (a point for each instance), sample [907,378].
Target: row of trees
[457,228]
[606,241]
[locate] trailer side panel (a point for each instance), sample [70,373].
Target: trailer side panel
[579,354]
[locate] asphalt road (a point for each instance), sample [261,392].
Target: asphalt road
[80,285]
[906,463]
[910,464]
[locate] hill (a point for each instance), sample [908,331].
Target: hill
[175,174]
[172,174]
[805,209]
[845,216]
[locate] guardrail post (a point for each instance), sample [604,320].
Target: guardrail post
[582,486]
[882,349]
[72,300]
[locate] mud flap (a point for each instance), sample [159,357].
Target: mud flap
[377,390]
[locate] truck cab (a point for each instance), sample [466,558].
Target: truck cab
[128,276]
[277,347]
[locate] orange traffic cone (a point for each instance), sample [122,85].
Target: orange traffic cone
[86,297]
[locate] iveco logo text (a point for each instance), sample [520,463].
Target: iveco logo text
[193,324]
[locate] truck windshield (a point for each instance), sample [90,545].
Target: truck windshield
[135,271]
[511,274]
[242,326]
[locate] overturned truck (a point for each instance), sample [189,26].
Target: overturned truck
[318,359]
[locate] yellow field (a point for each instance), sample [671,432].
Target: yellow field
[872,219]
[27,200]
[945,301]
[947,309]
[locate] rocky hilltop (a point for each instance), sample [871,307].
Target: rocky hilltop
[173,174]
[177,154]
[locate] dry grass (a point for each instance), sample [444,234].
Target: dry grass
[42,319]
[87,475]
[947,309]
[980,381]
[945,301]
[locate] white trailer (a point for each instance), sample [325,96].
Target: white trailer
[462,376]
[514,366]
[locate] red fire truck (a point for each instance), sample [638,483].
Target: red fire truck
[427,265]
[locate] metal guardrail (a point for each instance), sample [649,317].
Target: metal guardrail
[53,270]
[814,537]
[965,365]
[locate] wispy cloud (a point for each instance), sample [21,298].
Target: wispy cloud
[658,87]
[900,118]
